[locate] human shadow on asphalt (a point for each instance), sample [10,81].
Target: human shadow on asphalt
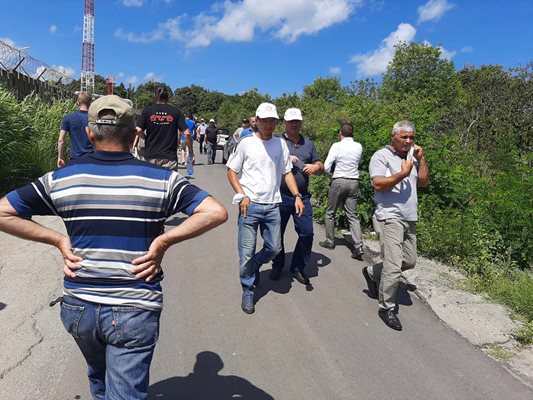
[2,306]
[284,284]
[205,383]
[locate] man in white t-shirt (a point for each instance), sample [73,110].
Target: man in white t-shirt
[261,160]
[200,134]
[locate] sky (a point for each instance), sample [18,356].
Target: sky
[276,46]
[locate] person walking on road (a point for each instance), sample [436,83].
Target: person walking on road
[305,162]
[114,208]
[160,125]
[74,124]
[396,171]
[191,125]
[345,155]
[211,139]
[262,161]
[200,134]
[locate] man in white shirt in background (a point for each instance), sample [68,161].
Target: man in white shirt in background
[261,160]
[346,155]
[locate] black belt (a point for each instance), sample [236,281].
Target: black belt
[351,179]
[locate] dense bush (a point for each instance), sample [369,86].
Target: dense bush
[28,138]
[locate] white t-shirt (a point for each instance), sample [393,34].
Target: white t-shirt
[346,155]
[261,165]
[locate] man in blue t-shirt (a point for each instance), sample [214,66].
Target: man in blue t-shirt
[114,208]
[305,162]
[74,124]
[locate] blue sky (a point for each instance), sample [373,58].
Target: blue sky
[277,46]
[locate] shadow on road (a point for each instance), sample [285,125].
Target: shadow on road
[205,383]
[2,306]
[284,284]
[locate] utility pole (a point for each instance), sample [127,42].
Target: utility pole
[87,50]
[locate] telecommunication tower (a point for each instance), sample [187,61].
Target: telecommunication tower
[87,51]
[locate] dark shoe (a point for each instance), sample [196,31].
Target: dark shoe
[358,254]
[247,304]
[301,277]
[390,319]
[327,244]
[274,274]
[372,286]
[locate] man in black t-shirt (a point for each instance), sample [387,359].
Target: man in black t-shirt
[211,138]
[159,125]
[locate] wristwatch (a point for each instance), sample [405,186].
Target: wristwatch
[298,195]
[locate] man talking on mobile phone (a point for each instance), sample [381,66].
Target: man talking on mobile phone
[395,172]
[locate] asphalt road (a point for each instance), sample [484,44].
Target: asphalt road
[319,342]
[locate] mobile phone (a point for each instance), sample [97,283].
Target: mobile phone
[411,152]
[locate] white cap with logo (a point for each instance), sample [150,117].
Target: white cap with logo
[293,114]
[266,110]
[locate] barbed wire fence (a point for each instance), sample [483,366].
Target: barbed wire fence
[23,74]
[13,59]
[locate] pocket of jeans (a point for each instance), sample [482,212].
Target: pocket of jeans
[135,327]
[70,317]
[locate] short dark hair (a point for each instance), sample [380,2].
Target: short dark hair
[161,93]
[347,129]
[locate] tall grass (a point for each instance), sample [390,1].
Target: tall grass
[28,138]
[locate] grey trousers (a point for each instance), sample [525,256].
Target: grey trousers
[397,239]
[344,191]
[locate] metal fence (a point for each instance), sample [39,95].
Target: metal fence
[17,60]
[23,75]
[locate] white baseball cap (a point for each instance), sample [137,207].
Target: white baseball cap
[211,120]
[266,110]
[293,113]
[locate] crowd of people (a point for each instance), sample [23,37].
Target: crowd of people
[115,204]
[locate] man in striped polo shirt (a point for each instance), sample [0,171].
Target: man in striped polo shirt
[114,208]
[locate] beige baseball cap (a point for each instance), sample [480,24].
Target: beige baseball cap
[122,108]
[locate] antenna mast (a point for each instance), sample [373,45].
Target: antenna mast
[87,50]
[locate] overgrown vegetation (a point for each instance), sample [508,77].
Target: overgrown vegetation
[475,125]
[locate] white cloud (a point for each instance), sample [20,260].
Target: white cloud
[65,70]
[335,70]
[120,75]
[132,3]
[150,76]
[433,10]
[239,21]
[132,80]
[447,54]
[375,62]
[9,42]
[53,28]
[467,49]
[444,53]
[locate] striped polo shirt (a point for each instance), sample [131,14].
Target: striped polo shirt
[113,207]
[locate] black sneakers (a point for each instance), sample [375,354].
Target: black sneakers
[301,277]
[247,303]
[327,244]
[390,319]
[274,274]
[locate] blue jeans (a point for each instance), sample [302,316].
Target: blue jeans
[266,218]
[117,342]
[304,228]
